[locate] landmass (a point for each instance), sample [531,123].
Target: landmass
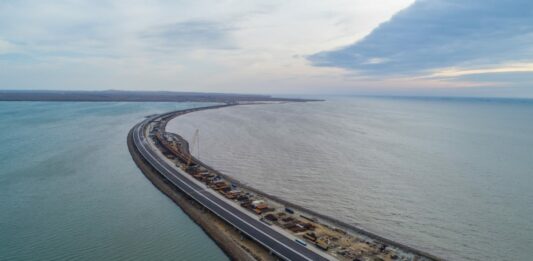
[138,96]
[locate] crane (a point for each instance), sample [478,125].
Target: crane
[194,142]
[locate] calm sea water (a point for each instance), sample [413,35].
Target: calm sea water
[453,177]
[69,189]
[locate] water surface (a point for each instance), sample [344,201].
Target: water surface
[69,189]
[449,176]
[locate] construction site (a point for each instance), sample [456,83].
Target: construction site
[310,230]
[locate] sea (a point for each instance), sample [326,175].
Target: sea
[69,189]
[450,176]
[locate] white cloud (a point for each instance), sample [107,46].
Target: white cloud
[247,45]
[504,68]
[376,60]
[7,47]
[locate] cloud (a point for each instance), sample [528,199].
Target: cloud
[7,47]
[517,78]
[433,34]
[250,46]
[501,69]
[191,34]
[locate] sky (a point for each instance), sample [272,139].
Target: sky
[398,47]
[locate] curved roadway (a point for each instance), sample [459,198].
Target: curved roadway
[279,244]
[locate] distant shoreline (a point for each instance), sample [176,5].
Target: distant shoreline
[138,96]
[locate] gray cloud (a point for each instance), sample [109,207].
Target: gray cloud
[192,34]
[433,34]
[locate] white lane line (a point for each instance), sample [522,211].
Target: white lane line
[253,227]
[190,194]
[229,213]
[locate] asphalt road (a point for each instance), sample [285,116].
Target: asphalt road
[282,246]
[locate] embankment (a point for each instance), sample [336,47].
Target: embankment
[323,218]
[236,246]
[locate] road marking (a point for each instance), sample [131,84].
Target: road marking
[251,226]
[162,164]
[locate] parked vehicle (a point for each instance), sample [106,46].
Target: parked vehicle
[301,242]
